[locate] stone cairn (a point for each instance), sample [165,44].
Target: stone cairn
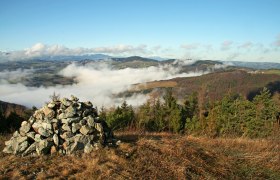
[62,126]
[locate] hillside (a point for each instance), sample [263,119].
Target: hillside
[8,108]
[155,156]
[215,85]
[11,115]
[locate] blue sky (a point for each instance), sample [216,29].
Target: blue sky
[199,29]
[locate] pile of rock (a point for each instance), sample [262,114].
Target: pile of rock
[61,126]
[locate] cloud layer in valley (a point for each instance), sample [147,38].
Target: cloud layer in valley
[96,82]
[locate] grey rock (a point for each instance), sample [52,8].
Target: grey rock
[88,148]
[37,125]
[31,135]
[62,116]
[15,134]
[83,122]
[90,121]
[70,112]
[31,120]
[44,147]
[81,138]
[38,137]
[25,127]
[8,149]
[67,135]
[31,149]
[48,112]
[87,112]
[55,126]
[74,98]
[66,127]
[76,127]
[64,121]
[62,108]
[79,113]
[39,114]
[51,105]
[76,146]
[55,120]
[79,106]
[86,130]
[66,102]
[47,126]
[88,104]
[21,147]
[8,143]
[74,119]
[56,139]
[118,142]
[44,132]
[21,139]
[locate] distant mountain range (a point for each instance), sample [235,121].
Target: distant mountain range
[154,59]
[253,65]
[256,65]
[77,58]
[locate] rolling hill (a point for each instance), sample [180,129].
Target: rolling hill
[213,85]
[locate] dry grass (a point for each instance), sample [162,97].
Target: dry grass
[155,156]
[154,84]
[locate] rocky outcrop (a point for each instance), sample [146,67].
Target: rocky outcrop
[61,126]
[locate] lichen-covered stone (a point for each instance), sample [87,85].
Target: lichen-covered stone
[25,128]
[56,139]
[45,132]
[76,127]
[44,146]
[86,130]
[48,112]
[66,127]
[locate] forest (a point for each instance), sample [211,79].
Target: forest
[232,116]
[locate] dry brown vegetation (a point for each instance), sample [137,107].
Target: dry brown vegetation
[154,84]
[154,156]
[216,84]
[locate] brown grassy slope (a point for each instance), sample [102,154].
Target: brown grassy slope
[217,84]
[8,108]
[236,81]
[155,156]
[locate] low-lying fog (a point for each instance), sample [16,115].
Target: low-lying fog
[95,82]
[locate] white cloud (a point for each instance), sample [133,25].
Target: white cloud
[191,46]
[233,56]
[97,83]
[246,45]
[184,62]
[41,50]
[14,76]
[226,45]
[119,49]
[277,41]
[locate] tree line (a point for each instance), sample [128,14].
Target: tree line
[232,116]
